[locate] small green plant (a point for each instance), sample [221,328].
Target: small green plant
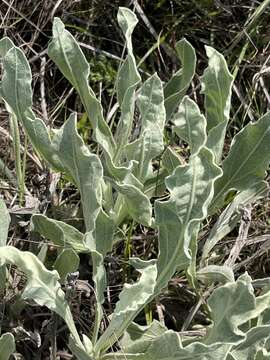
[119,184]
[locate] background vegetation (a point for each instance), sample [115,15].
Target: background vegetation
[237,28]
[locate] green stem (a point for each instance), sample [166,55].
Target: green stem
[128,250]
[14,129]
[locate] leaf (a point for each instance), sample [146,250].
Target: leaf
[7,346]
[134,201]
[4,223]
[191,187]
[229,218]
[85,168]
[177,86]
[255,340]
[58,232]
[67,55]
[190,125]
[16,92]
[168,347]
[216,86]
[128,74]
[232,305]
[67,262]
[81,353]
[42,285]
[127,80]
[138,338]
[132,300]
[215,273]
[246,162]
[150,142]
[171,159]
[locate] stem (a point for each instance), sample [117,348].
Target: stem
[14,129]
[128,250]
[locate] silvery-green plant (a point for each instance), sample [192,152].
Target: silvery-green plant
[116,186]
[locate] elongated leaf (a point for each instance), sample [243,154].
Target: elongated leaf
[191,187]
[190,124]
[176,88]
[128,73]
[7,346]
[100,280]
[127,80]
[4,223]
[16,91]
[66,53]
[58,232]
[229,218]
[86,169]
[216,86]
[150,143]
[42,285]
[132,299]
[247,161]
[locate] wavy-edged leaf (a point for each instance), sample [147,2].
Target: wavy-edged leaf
[86,169]
[7,346]
[60,233]
[190,124]
[42,285]
[191,187]
[246,162]
[177,86]
[216,87]
[229,218]
[67,55]
[168,347]
[232,305]
[128,74]
[128,79]
[150,142]
[16,91]
[255,341]
[132,300]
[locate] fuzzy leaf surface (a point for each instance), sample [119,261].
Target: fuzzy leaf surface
[191,187]
[216,87]
[177,86]
[247,161]
[190,124]
[132,300]
[69,58]
[42,285]
[7,346]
